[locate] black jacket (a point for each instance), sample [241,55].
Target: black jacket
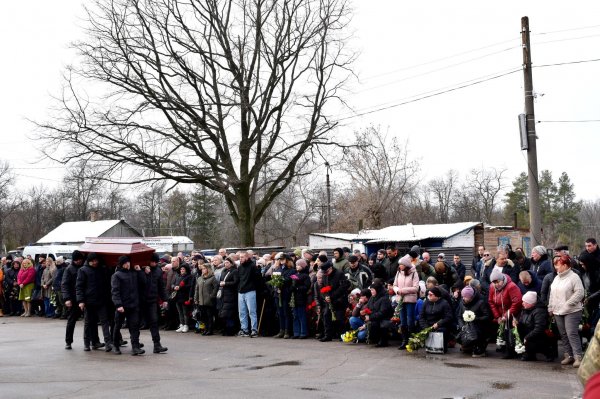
[436,312]
[227,304]
[533,322]
[249,275]
[339,290]
[479,306]
[154,286]
[91,285]
[184,282]
[60,270]
[380,307]
[125,288]
[69,281]
[301,288]
[391,268]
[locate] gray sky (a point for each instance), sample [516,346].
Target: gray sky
[407,50]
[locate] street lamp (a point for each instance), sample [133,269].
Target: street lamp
[328,186]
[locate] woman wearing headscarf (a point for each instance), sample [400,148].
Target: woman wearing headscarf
[437,314]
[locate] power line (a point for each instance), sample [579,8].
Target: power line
[566,39]
[565,30]
[572,121]
[566,63]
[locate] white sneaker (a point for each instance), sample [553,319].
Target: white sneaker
[185,329]
[180,328]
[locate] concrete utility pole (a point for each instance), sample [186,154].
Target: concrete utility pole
[535,217]
[328,186]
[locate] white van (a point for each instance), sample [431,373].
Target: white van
[54,249]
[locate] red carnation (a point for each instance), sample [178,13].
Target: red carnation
[187,303]
[367,311]
[182,284]
[549,333]
[326,290]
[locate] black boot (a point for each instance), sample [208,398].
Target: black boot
[136,350]
[158,348]
[108,347]
[405,335]
[117,350]
[280,334]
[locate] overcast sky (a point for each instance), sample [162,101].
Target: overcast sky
[408,50]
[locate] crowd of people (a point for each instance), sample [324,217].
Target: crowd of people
[523,304]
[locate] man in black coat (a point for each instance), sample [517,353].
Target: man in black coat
[154,289]
[391,263]
[91,288]
[590,259]
[381,310]
[69,295]
[125,284]
[333,303]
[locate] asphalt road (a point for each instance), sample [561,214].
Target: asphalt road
[34,364]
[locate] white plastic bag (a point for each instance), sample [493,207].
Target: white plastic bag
[434,342]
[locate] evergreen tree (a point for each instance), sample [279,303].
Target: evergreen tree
[517,202]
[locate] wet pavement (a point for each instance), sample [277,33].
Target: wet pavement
[34,364]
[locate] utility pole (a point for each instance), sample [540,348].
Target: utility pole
[535,217]
[328,186]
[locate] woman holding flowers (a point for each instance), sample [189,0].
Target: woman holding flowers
[473,309]
[437,314]
[406,287]
[566,296]
[505,303]
[281,280]
[300,289]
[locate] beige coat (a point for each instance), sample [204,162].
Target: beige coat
[566,294]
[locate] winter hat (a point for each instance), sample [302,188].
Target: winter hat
[467,292]
[60,260]
[352,258]
[301,263]
[323,258]
[77,255]
[436,291]
[540,249]
[122,260]
[154,258]
[326,265]
[467,279]
[441,255]
[413,254]
[497,275]
[92,256]
[339,251]
[530,297]
[415,248]
[365,292]
[279,255]
[405,261]
[355,291]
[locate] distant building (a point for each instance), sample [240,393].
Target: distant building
[75,233]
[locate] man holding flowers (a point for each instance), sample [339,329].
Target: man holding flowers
[332,296]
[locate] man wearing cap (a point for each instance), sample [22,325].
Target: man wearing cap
[154,291]
[531,324]
[358,275]
[91,288]
[69,295]
[335,300]
[125,284]
[505,303]
[540,262]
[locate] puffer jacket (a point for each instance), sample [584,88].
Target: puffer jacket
[438,312]
[533,322]
[92,285]
[566,293]
[542,267]
[479,306]
[380,306]
[407,283]
[508,299]
[69,281]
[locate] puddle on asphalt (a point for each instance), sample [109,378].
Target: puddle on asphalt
[278,364]
[460,365]
[502,385]
[308,389]
[230,367]
[254,356]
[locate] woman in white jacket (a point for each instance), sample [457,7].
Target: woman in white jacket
[566,296]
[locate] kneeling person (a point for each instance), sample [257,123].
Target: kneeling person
[125,296]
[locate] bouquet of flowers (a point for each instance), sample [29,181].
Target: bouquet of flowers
[500,342]
[350,336]
[397,310]
[277,282]
[325,292]
[417,340]
[519,347]
[468,316]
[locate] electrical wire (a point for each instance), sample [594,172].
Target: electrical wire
[565,30]
[566,63]
[571,121]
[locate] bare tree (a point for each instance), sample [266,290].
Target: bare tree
[381,174]
[83,183]
[486,185]
[206,92]
[443,189]
[589,215]
[9,202]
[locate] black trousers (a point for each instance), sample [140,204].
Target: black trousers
[133,324]
[332,327]
[150,313]
[74,315]
[207,316]
[94,314]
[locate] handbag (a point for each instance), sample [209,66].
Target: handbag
[434,342]
[469,333]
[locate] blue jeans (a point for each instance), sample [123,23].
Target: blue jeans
[407,315]
[48,308]
[355,323]
[247,305]
[300,324]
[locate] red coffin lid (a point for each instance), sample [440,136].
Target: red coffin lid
[111,249]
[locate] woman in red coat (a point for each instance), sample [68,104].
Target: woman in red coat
[26,280]
[505,303]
